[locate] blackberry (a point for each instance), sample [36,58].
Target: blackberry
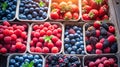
[86,26]
[103,31]
[104,25]
[105,43]
[114,48]
[87,33]
[93,40]
[93,32]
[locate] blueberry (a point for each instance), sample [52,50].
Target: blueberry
[78,31]
[74,48]
[77,44]
[44,15]
[21,16]
[4,18]
[16,58]
[72,52]
[82,47]
[29,16]
[40,12]
[73,41]
[67,40]
[35,61]
[9,16]
[30,56]
[46,9]
[12,61]
[25,56]
[81,42]
[39,65]
[66,33]
[83,52]
[79,51]
[21,4]
[26,11]
[27,60]
[66,46]
[76,35]
[69,49]
[40,61]
[31,9]
[11,66]
[17,64]
[36,57]
[29,5]
[75,28]
[13,7]
[7,11]
[41,8]
[13,13]
[37,9]
[34,14]
[21,9]
[71,36]
[21,59]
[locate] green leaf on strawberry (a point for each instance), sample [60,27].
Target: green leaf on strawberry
[47,38]
[99,1]
[4,6]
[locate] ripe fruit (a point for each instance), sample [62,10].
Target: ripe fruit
[100,65]
[89,48]
[67,16]
[97,33]
[55,39]
[18,45]
[97,24]
[86,9]
[107,50]
[93,14]
[7,39]
[102,11]
[49,32]
[45,49]
[99,46]
[106,63]
[74,8]
[112,29]
[38,49]
[58,43]
[98,51]
[3,50]
[91,64]
[86,17]
[98,61]
[111,38]
[50,45]
[75,16]
[54,15]
[54,50]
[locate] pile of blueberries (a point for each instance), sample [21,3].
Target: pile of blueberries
[20,60]
[7,9]
[33,9]
[73,41]
[60,60]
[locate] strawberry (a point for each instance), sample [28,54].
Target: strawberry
[97,33]
[67,16]
[93,14]
[74,8]
[56,10]
[105,17]
[75,16]
[111,38]
[54,15]
[99,45]
[85,17]
[102,11]
[86,9]
[84,2]
[55,5]
[112,29]
[97,24]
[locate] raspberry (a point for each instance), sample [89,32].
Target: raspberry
[41,39]
[71,31]
[35,40]
[45,29]
[51,28]
[18,32]
[55,26]
[54,50]
[18,45]
[35,27]
[89,48]
[112,61]
[24,35]
[47,24]
[58,43]
[32,49]
[55,39]
[12,49]
[106,63]
[6,23]
[97,24]
[50,45]
[97,33]
[91,64]
[14,37]
[59,30]
[38,44]
[32,43]
[41,27]
[1,46]
[19,40]
[42,32]
[6,32]
[111,38]
[45,49]
[49,33]
[98,61]
[7,39]
[99,45]
[102,40]
[100,65]
[25,26]
[3,50]
[11,32]
[21,28]
[38,49]
[1,36]
[98,51]
[103,59]
[23,48]
[55,32]
[112,29]
[115,65]
[59,35]
[10,28]
[107,50]
[36,34]
[7,46]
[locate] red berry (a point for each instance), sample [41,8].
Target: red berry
[1,46]
[102,40]
[18,45]
[38,49]
[6,32]
[98,51]
[1,36]
[21,28]
[101,65]
[112,61]
[18,32]
[98,61]
[91,64]
[41,39]
[55,26]
[38,44]
[32,43]
[49,33]
[115,65]
[111,38]
[107,50]
[11,32]
[97,24]
[59,30]
[58,43]
[7,39]
[32,49]
[103,59]
[35,40]
[47,24]
[36,34]
[59,35]
[14,37]
[41,27]
[42,32]
[99,46]
[7,46]
[112,29]
[89,48]
[97,33]
[3,50]
[55,39]
[45,29]
[12,49]
[55,32]
[106,63]
[6,23]
[10,28]
[71,31]
[35,27]
[54,50]
[23,48]
[50,45]
[19,40]
[45,49]
[51,28]
[24,35]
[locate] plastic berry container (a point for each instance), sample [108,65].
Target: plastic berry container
[22,59]
[43,46]
[8,10]
[62,59]
[64,10]
[14,28]
[100,60]
[30,10]
[104,17]
[74,39]
[106,49]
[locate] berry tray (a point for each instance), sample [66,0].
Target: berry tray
[104,10]
[67,10]
[104,43]
[44,38]
[73,39]
[8,10]
[13,28]
[60,59]
[33,10]
[21,59]
[101,60]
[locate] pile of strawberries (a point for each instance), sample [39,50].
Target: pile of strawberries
[46,38]
[100,38]
[95,10]
[13,37]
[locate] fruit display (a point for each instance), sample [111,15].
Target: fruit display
[33,10]
[13,37]
[101,61]
[73,39]
[60,60]
[46,38]
[64,10]
[95,10]
[7,9]
[25,60]
[100,37]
